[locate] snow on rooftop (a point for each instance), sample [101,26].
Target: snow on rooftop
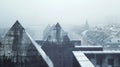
[82,59]
[88,46]
[101,52]
[42,53]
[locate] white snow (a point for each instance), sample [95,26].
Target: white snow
[82,59]
[42,53]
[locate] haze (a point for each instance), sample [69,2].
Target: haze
[40,13]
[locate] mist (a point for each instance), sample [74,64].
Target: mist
[38,14]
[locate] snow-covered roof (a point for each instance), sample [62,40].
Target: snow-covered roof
[82,59]
[101,52]
[42,53]
[88,46]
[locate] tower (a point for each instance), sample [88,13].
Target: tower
[86,25]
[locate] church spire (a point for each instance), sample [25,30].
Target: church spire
[86,25]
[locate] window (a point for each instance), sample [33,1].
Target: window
[99,62]
[111,62]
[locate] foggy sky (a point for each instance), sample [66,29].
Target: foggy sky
[67,12]
[40,13]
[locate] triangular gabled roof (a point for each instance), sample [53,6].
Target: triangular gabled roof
[57,25]
[17,26]
[18,43]
[55,34]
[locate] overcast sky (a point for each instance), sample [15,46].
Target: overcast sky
[39,13]
[67,12]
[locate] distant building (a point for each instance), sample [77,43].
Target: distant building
[94,37]
[55,34]
[86,27]
[112,43]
